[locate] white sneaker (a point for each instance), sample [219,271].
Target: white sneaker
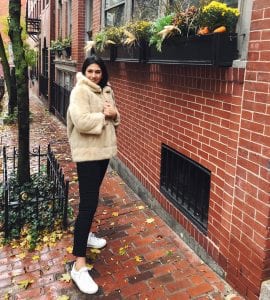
[83,280]
[95,242]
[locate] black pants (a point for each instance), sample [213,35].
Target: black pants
[90,176]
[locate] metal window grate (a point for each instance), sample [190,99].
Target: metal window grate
[186,184]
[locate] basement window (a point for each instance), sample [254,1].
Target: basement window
[186,184]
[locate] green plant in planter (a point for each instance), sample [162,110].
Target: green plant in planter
[67,45]
[217,14]
[108,36]
[66,42]
[186,20]
[136,31]
[57,46]
[156,38]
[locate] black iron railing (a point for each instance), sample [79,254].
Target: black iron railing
[60,101]
[33,23]
[52,201]
[43,85]
[2,88]
[186,184]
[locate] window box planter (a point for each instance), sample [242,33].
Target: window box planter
[213,49]
[59,53]
[67,51]
[108,54]
[135,53]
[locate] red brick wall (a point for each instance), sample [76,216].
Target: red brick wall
[249,255]
[219,117]
[96,15]
[78,31]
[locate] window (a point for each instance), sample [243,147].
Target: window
[89,19]
[69,20]
[147,10]
[243,30]
[114,12]
[186,184]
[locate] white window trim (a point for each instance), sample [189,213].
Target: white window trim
[243,30]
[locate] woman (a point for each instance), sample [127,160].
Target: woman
[91,121]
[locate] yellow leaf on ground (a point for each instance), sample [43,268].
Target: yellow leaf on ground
[21,255]
[25,283]
[69,249]
[6,296]
[138,258]
[169,252]
[123,250]
[65,277]
[141,207]
[35,257]
[115,214]
[45,239]
[63,297]
[89,266]
[38,248]
[150,220]
[93,250]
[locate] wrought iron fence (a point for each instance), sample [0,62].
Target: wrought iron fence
[43,85]
[60,101]
[52,201]
[2,88]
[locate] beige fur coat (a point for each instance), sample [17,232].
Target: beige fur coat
[91,137]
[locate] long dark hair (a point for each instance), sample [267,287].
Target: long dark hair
[94,59]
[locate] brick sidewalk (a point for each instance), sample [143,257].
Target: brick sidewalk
[143,259]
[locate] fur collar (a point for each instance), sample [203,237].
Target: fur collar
[81,79]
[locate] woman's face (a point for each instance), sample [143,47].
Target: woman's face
[93,72]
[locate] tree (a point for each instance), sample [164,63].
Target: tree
[9,79]
[21,70]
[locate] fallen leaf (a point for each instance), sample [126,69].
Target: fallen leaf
[21,255]
[115,214]
[141,207]
[25,283]
[45,239]
[35,257]
[150,220]
[138,258]
[69,249]
[93,250]
[123,250]
[65,277]
[63,297]
[38,248]
[89,266]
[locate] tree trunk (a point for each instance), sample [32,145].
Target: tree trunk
[23,172]
[12,103]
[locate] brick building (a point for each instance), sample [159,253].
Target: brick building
[3,24]
[190,132]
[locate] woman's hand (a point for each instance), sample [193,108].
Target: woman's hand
[109,110]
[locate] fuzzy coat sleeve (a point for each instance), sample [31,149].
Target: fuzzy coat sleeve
[81,115]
